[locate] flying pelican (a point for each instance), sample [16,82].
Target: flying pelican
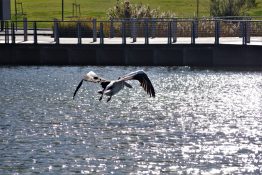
[112,87]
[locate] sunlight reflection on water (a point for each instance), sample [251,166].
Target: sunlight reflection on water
[201,122]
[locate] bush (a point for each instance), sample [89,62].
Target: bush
[69,28]
[124,9]
[230,7]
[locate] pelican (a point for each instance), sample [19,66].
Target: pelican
[112,87]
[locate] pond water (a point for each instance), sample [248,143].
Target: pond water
[201,122]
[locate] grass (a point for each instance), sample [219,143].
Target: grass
[50,9]
[47,10]
[257,11]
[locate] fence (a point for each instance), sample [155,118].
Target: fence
[134,31]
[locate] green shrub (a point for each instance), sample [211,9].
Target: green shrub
[230,7]
[69,28]
[124,9]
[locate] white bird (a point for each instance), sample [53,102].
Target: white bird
[112,87]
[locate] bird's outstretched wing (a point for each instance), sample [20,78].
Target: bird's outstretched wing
[79,85]
[92,77]
[142,77]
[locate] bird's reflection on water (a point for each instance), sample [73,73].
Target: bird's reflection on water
[200,122]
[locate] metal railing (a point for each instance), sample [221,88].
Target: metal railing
[131,31]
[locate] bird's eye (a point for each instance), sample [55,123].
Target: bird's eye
[95,78]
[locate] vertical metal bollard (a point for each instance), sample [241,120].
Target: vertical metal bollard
[79,33]
[146,31]
[6,32]
[13,32]
[35,32]
[112,29]
[123,32]
[196,27]
[2,25]
[248,29]
[56,32]
[241,32]
[101,33]
[217,31]
[25,29]
[134,29]
[169,34]
[244,36]
[153,22]
[94,31]
[174,28]
[193,36]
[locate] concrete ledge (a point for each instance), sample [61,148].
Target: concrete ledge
[168,56]
[54,56]
[195,56]
[132,55]
[237,56]
[139,56]
[82,56]
[113,56]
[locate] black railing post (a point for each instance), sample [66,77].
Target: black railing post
[25,30]
[6,32]
[244,33]
[101,33]
[248,29]
[174,29]
[241,27]
[13,32]
[153,24]
[79,33]
[112,29]
[35,32]
[2,25]
[134,29]
[193,34]
[56,32]
[146,31]
[94,31]
[217,31]
[196,27]
[123,32]
[169,33]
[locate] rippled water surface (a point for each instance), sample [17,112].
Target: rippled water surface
[201,122]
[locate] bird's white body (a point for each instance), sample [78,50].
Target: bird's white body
[113,88]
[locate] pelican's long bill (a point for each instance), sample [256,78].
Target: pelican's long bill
[79,85]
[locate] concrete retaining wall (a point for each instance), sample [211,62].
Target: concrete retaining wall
[132,55]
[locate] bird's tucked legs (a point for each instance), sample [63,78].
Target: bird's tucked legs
[109,99]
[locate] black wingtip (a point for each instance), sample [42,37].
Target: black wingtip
[153,95]
[153,92]
[79,85]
